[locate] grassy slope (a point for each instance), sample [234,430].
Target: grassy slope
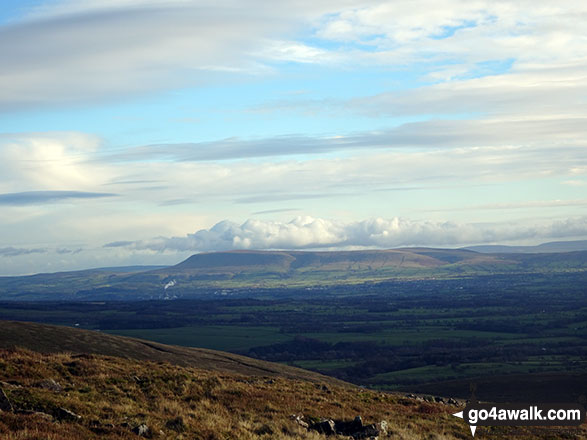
[55,339]
[113,395]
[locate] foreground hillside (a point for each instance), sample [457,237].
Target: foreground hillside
[85,396]
[56,339]
[66,396]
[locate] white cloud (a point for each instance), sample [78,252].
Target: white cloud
[74,51]
[525,93]
[467,31]
[313,233]
[296,52]
[49,161]
[448,159]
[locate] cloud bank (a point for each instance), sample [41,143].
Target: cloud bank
[317,233]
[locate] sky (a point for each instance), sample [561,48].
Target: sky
[140,132]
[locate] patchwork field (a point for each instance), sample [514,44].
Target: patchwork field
[393,335]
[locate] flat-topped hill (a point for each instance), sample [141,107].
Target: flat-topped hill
[204,273]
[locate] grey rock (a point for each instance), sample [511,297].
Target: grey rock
[354,429]
[369,431]
[324,426]
[50,384]
[65,415]
[142,430]
[299,419]
[382,426]
[349,428]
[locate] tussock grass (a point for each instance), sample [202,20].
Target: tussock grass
[114,395]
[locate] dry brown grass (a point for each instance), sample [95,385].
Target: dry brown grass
[114,395]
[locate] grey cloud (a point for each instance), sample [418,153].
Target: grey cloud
[132,182]
[41,197]
[17,252]
[425,134]
[234,148]
[275,211]
[313,233]
[173,202]
[115,244]
[285,197]
[65,251]
[101,53]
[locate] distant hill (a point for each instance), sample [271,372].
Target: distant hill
[554,246]
[297,268]
[207,273]
[56,339]
[289,261]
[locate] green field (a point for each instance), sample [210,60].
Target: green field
[388,335]
[217,337]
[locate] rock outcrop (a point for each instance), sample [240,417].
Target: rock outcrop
[353,428]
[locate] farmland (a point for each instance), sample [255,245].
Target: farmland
[393,335]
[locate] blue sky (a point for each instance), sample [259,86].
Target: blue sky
[174,127]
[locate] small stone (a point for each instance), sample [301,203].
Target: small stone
[324,426]
[369,431]
[50,385]
[63,414]
[142,430]
[299,419]
[382,426]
